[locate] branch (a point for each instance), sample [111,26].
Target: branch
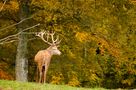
[7,39]
[8,42]
[15,23]
[3,5]
[29,28]
[31,39]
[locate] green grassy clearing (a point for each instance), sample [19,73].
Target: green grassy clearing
[14,85]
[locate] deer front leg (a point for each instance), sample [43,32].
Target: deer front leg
[44,79]
[45,73]
[40,79]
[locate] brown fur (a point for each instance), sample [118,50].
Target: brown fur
[43,58]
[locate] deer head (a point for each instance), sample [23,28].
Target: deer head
[53,49]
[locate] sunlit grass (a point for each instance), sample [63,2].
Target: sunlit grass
[13,85]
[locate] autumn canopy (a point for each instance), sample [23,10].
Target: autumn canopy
[98,41]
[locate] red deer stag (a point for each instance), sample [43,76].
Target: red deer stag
[43,57]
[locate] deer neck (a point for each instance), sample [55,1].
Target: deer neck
[49,51]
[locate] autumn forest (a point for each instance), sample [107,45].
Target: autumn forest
[98,41]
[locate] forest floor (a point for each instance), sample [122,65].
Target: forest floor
[14,85]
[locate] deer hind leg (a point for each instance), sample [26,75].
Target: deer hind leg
[44,74]
[43,71]
[40,75]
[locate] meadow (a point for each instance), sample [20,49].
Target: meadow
[14,85]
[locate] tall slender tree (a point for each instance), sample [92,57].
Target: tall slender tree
[21,57]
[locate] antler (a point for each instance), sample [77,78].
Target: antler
[54,42]
[41,35]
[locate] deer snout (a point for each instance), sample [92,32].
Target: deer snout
[56,52]
[59,53]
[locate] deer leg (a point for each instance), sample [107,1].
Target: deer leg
[40,75]
[45,74]
[40,79]
[43,71]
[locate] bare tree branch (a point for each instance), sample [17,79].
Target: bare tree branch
[30,27]
[12,38]
[9,40]
[16,23]
[3,5]
[32,39]
[5,42]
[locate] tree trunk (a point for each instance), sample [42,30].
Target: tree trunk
[21,57]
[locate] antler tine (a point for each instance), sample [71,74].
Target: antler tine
[47,36]
[41,35]
[37,34]
[57,38]
[56,41]
[52,37]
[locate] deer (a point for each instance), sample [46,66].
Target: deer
[43,57]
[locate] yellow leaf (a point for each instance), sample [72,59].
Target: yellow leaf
[82,36]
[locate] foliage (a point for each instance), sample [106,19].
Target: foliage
[98,45]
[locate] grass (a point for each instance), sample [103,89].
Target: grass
[14,85]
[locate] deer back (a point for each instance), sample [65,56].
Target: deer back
[42,55]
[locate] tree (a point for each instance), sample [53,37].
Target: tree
[98,46]
[22,26]
[21,58]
